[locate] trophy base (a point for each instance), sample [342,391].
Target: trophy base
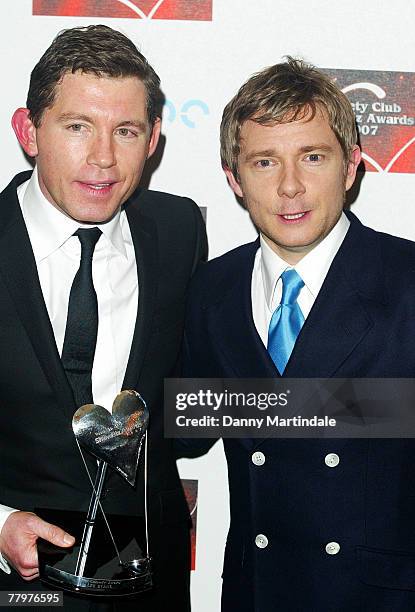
[104,574]
[100,587]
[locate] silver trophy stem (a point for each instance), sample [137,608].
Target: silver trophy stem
[90,519]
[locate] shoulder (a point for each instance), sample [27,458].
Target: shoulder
[395,252]
[236,258]
[10,211]
[216,275]
[165,207]
[17,180]
[392,250]
[174,222]
[398,262]
[378,264]
[395,245]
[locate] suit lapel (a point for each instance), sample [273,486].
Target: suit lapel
[232,325]
[19,273]
[233,330]
[338,322]
[144,235]
[341,315]
[344,310]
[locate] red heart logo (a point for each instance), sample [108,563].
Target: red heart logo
[138,9]
[384,107]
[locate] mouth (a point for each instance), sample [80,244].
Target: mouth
[294,217]
[97,188]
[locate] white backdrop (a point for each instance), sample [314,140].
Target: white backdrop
[201,64]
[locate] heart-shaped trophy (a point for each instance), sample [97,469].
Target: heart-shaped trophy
[114,438]
[107,549]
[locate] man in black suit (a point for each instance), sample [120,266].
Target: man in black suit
[92,120]
[322,525]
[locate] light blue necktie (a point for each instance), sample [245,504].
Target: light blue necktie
[287,320]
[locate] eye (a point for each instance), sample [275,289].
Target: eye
[76,127]
[263,163]
[314,157]
[126,132]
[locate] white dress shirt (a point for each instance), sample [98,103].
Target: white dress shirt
[266,287]
[57,254]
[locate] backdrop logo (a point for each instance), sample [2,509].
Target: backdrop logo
[189,113]
[194,10]
[191,492]
[384,106]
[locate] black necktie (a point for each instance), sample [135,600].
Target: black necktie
[82,322]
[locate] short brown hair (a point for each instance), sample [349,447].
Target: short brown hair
[282,93]
[95,49]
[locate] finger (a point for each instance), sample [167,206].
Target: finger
[31,577]
[51,533]
[24,560]
[28,571]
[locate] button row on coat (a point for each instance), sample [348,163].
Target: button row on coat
[332,548]
[331,460]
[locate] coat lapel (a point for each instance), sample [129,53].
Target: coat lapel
[341,315]
[338,322]
[233,330]
[144,235]
[232,325]
[19,273]
[344,310]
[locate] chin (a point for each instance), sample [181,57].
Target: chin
[92,216]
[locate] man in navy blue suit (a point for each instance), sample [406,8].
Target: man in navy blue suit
[321,525]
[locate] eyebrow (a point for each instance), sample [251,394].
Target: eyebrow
[263,153]
[321,146]
[140,125]
[316,147]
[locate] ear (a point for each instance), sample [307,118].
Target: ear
[352,165]
[233,182]
[25,131]
[154,137]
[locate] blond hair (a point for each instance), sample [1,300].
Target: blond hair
[282,93]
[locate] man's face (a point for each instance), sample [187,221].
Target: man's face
[91,145]
[293,178]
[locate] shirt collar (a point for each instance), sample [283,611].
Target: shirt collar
[312,268]
[49,228]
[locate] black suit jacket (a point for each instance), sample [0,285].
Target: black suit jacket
[362,324]
[40,462]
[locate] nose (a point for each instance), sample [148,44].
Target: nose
[290,182]
[101,152]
